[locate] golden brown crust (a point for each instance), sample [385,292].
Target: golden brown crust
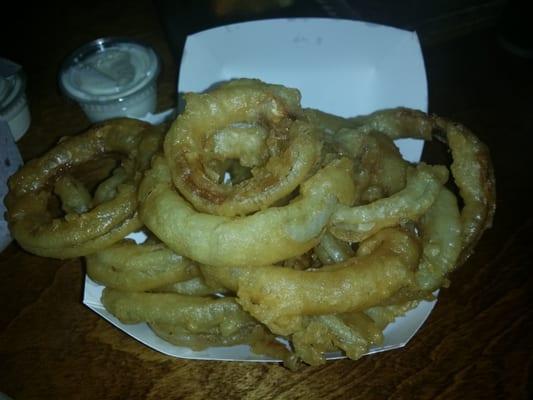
[249,122]
[43,232]
[473,173]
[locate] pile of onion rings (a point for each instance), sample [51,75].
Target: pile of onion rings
[265,220]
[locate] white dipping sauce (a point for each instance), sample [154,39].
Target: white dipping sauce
[112,78]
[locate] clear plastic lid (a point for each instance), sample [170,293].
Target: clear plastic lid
[108,69]
[11,88]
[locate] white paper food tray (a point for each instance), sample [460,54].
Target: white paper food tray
[343,67]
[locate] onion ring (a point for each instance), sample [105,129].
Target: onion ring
[175,334]
[353,333]
[131,267]
[193,313]
[75,198]
[473,174]
[471,168]
[252,122]
[279,297]
[380,169]
[192,287]
[195,322]
[224,241]
[107,189]
[440,230]
[357,223]
[331,250]
[39,231]
[396,123]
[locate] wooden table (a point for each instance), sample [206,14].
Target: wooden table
[475,344]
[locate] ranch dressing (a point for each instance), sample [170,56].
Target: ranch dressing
[112,78]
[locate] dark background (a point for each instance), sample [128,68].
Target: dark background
[435,21]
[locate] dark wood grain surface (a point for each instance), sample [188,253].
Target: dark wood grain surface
[476,344]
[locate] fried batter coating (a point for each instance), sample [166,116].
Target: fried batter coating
[474,176]
[441,232]
[85,227]
[193,313]
[359,222]
[396,123]
[246,120]
[265,237]
[196,286]
[278,297]
[131,267]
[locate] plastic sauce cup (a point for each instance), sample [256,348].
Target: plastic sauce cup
[13,104]
[112,77]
